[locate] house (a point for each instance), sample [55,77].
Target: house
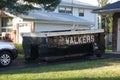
[114,10]
[67,16]
[80,10]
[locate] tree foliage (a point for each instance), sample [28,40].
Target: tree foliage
[102,2]
[22,6]
[106,18]
[106,22]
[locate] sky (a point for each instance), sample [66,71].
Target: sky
[94,2]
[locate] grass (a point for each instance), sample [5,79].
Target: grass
[20,51]
[108,50]
[107,69]
[19,48]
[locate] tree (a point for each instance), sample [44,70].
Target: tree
[22,6]
[106,21]
[106,18]
[102,2]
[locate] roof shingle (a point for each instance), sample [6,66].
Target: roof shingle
[114,7]
[55,17]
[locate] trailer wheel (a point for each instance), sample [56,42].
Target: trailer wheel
[29,59]
[99,55]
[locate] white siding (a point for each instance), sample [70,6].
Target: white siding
[88,15]
[91,17]
[118,36]
[70,1]
[23,28]
[15,22]
[56,10]
[75,12]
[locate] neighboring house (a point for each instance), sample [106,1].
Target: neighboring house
[80,10]
[6,23]
[67,16]
[113,9]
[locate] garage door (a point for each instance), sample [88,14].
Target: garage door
[51,27]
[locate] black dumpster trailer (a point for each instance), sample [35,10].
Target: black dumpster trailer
[55,45]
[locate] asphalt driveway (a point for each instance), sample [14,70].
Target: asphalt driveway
[21,63]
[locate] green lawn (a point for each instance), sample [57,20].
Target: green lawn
[107,69]
[20,51]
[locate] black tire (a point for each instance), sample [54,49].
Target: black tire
[99,55]
[29,59]
[5,58]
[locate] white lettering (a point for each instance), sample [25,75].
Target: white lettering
[76,40]
[72,40]
[80,40]
[67,40]
[84,39]
[88,39]
[92,38]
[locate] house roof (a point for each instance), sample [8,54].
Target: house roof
[113,7]
[55,18]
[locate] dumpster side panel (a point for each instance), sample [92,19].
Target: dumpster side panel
[67,45]
[31,46]
[26,46]
[70,50]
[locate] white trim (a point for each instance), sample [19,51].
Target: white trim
[78,5]
[107,10]
[9,14]
[118,36]
[50,34]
